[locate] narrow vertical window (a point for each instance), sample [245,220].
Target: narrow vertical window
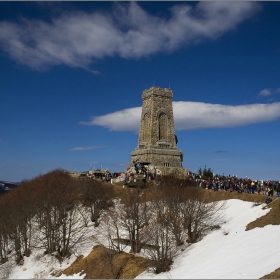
[163,125]
[144,125]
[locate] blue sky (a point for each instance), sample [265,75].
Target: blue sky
[72,75]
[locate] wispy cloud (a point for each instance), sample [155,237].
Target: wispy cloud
[194,115]
[76,39]
[267,92]
[87,148]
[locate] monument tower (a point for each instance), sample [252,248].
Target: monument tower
[157,140]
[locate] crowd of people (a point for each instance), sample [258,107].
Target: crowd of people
[234,184]
[216,183]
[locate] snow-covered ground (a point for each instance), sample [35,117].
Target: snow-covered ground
[229,252]
[236,255]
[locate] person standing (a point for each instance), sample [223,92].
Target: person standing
[278,189]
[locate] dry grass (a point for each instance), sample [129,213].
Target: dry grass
[273,275]
[100,264]
[225,195]
[271,218]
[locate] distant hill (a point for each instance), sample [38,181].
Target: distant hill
[7,186]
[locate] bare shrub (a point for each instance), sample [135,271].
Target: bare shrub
[110,223]
[178,213]
[96,195]
[201,214]
[58,213]
[5,270]
[173,198]
[134,217]
[162,245]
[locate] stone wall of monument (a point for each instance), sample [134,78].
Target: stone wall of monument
[157,122]
[156,141]
[166,158]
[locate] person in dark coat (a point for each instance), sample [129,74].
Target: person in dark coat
[278,190]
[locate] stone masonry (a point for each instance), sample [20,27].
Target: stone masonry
[157,140]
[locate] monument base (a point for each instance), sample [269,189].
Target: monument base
[168,161]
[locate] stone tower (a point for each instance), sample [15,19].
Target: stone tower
[157,139]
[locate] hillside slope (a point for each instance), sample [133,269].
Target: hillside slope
[246,246]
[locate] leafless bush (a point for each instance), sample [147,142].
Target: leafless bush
[178,213]
[110,224]
[95,195]
[5,270]
[201,214]
[131,217]
[162,244]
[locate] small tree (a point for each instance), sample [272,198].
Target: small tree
[200,214]
[172,197]
[110,223]
[4,232]
[207,173]
[96,195]
[134,217]
[17,222]
[162,244]
[4,240]
[58,214]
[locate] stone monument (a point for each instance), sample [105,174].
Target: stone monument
[157,140]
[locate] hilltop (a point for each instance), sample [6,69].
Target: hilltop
[245,246]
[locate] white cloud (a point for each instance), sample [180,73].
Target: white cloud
[77,39]
[125,120]
[194,115]
[265,92]
[86,148]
